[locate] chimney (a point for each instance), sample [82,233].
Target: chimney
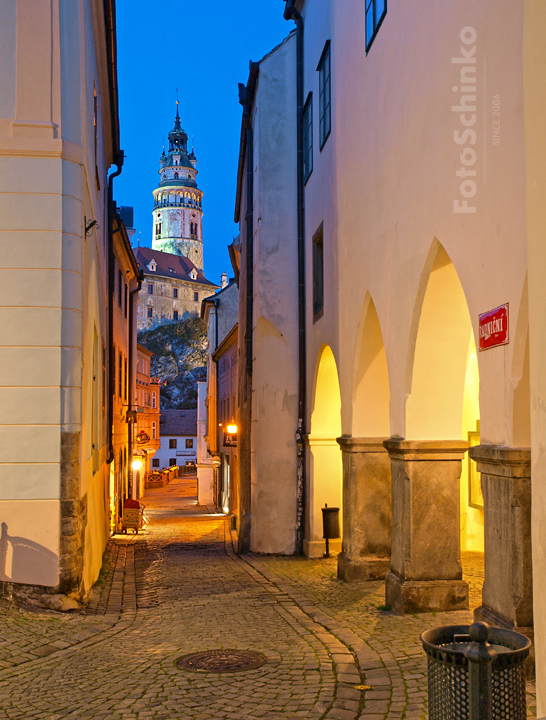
[224,281]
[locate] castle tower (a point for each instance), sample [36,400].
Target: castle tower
[178,213]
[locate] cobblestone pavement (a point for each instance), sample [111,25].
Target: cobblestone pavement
[179,588]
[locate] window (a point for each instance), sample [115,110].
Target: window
[176,175]
[150,289]
[120,287]
[175,292]
[375,12]
[196,297]
[126,300]
[120,374]
[172,461]
[172,443]
[325,96]
[189,443]
[175,314]
[158,229]
[318,275]
[126,380]
[150,312]
[155,462]
[154,425]
[308,138]
[153,400]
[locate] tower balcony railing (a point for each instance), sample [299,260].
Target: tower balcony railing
[167,203]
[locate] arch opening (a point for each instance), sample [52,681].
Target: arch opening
[325,471]
[444,399]
[371,394]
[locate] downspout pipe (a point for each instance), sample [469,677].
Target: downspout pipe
[291,13]
[111,289]
[245,99]
[131,399]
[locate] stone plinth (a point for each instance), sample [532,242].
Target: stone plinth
[426,572]
[507,596]
[367,509]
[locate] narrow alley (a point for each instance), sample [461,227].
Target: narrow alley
[330,649]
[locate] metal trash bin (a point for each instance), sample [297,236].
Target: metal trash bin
[330,526]
[476,672]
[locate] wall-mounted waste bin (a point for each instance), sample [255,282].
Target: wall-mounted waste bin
[330,526]
[476,673]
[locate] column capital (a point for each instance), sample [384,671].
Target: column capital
[351,444]
[508,462]
[420,450]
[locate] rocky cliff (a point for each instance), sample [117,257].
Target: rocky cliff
[179,359]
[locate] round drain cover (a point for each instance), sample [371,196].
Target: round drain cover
[221,661]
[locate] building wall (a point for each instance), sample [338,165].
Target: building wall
[270,460]
[535,151]
[228,490]
[52,496]
[163,304]
[147,402]
[180,454]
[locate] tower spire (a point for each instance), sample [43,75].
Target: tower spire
[177,118]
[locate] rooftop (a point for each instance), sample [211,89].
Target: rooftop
[178,422]
[169,265]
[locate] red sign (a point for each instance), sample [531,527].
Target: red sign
[494,328]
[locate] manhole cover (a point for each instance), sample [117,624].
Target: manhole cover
[222,661]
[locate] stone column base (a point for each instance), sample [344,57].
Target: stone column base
[484,614]
[317,548]
[365,569]
[419,596]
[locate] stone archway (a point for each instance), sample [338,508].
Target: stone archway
[325,466]
[442,407]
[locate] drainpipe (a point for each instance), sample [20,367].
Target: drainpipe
[131,399]
[111,288]
[290,13]
[245,99]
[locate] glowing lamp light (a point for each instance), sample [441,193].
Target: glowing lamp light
[232,428]
[136,465]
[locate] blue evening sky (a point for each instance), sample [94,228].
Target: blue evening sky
[202,48]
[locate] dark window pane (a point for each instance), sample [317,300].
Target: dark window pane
[150,312]
[318,275]
[150,289]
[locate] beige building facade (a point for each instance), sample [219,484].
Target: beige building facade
[59,134]
[172,290]
[422,177]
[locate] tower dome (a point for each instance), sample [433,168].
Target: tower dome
[178,201]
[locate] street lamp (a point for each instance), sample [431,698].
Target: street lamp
[232,427]
[136,464]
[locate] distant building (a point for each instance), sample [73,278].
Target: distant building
[146,434]
[217,469]
[178,214]
[173,288]
[178,434]
[174,281]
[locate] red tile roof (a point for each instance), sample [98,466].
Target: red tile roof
[169,265]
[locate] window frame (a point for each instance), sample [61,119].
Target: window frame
[173,442]
[150,312]
[189,444]
[376,23]
[150,289]
[307,126]
[325,87]
[318,273]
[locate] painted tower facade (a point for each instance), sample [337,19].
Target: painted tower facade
[178,210]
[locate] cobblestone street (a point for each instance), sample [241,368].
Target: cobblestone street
[179,588]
